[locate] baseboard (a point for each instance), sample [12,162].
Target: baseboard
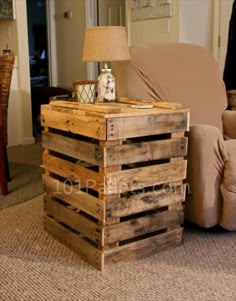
[27,140]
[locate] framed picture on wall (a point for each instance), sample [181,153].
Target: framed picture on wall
[7,9]
[150,9]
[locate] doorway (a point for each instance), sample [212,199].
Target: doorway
[111,12]
[102,13]
[222,14]
[37,42]
[225,14]
[39,57]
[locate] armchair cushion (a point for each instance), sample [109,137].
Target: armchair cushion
[228,187]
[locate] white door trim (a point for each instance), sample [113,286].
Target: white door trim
[23,76]
[216,29]
[52,46]
[91,20]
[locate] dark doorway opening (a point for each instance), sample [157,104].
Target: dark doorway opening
[41,91]
[37,41]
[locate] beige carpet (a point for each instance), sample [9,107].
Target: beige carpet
[33,266]
[27,154]
[25,184]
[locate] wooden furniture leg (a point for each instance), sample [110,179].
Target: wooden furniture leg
[3,172]
[6,164]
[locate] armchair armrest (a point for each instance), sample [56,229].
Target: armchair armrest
[229,124]
[228,188]
[206,157]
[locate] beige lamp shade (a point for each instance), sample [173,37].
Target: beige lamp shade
[105,43]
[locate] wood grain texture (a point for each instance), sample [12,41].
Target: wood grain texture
[145,151]
[146,125]
[144,247]
[138,178]
[83,176]
[101,108]
[74,242]
[86,151]
[75,197]
[89,126]
[74,220]
[157,104]
[140,202]
[143,225]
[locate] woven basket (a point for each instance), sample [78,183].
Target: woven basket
[6,68]
[85,90]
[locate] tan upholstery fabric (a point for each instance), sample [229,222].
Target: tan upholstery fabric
[228,188]
[188,74]
[229,124]
[174,72]
[206,157]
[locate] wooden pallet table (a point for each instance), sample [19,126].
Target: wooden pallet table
[113,178]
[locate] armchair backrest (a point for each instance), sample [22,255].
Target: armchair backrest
[6,68]
[174,72]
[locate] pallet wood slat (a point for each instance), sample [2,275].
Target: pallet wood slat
[138,178]
[82,150]
[101,108]
[113,179]
[73,219]
[117,154]
[75,197]
[146,151]
[145,247]
[143,225]
[83,176]
[145,201]
[158,104]
[137,126]
[93,127]
[74,242]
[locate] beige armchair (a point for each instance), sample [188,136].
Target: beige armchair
[189,75]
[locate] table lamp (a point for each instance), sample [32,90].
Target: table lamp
[105,44]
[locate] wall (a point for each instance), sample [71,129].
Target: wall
[14,110]
[152,30]
[8,35]
[191,22]
[195,22]
[70,37]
